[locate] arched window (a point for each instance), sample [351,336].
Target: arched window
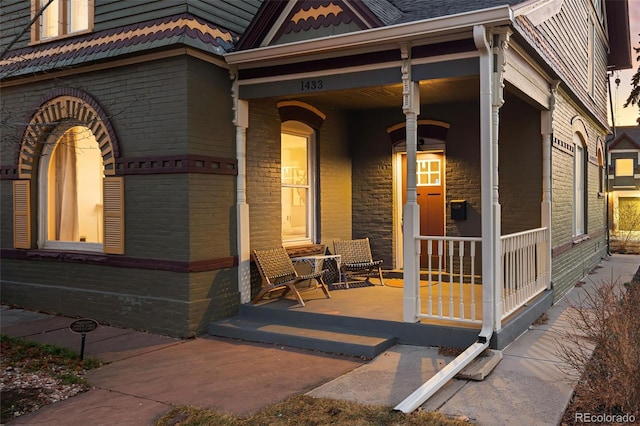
[580,185]
[70,181]
[298,178]
[70,163]
[300,124]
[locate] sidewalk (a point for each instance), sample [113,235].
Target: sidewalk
[147,374]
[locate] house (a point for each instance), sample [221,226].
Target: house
[624,187]
[465,139]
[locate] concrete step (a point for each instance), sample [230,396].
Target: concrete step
[330,339]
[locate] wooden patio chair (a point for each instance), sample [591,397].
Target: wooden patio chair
[357,260]
[277,272]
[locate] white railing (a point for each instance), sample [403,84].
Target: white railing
[452,282]
[525,268]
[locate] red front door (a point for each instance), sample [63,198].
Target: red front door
[431,198]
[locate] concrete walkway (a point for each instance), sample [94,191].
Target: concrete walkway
[147,374]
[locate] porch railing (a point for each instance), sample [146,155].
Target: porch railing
[453,280]
[454,291]
[525,269]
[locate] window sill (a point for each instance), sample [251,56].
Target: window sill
[579,239]
[59,37]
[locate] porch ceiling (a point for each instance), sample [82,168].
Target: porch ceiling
[390,96]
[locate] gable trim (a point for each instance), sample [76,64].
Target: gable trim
[382,38]
[276,18]
[622,138]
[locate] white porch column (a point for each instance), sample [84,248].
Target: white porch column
[411,212]
[492,61]
[546,127]
[500,43]
[241,121]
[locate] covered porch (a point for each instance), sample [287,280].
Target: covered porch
[483,272]
[372,316]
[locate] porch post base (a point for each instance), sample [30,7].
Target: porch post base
[244,253]
[411,301]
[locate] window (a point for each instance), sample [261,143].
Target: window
[624,167]
[89,218]
[61,17]
[297,180]
[579,166]
[428,173]
[71,185]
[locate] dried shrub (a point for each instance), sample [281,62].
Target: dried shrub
[602,350]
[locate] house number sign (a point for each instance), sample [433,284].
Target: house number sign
[311,85]
[83,326]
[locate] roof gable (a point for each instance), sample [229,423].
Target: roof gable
[279,22]
[628,139]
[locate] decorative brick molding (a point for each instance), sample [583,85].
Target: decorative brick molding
[158,165]
[177,164]
[122,261]
[9,172]
[59,110]
[563,146]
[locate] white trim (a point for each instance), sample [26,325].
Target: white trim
[538,11]
[615,151]
[43,206]
[279,22]
[522,72]
[297,128]
[397,196]
[380,38]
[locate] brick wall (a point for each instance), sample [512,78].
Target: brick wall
[572,258]
[372,183]
[335,178]
[173,217]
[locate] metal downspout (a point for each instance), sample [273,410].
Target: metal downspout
[241,121]
[606,165]
[430,387]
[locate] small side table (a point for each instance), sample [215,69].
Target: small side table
[316,262]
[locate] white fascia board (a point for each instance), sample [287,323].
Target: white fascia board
[538,11]
[376,37]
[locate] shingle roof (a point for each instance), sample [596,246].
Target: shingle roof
[181,29]
[630,133]
[416,10]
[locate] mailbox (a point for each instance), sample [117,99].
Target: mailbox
[459,209]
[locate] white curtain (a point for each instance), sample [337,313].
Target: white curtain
[66,200]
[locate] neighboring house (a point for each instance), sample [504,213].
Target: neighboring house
[624,187]
[214,128]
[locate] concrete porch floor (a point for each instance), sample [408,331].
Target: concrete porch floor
[381,302]
[364,320]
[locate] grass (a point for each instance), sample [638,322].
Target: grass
[55,368]
[306,410]
[65,368]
